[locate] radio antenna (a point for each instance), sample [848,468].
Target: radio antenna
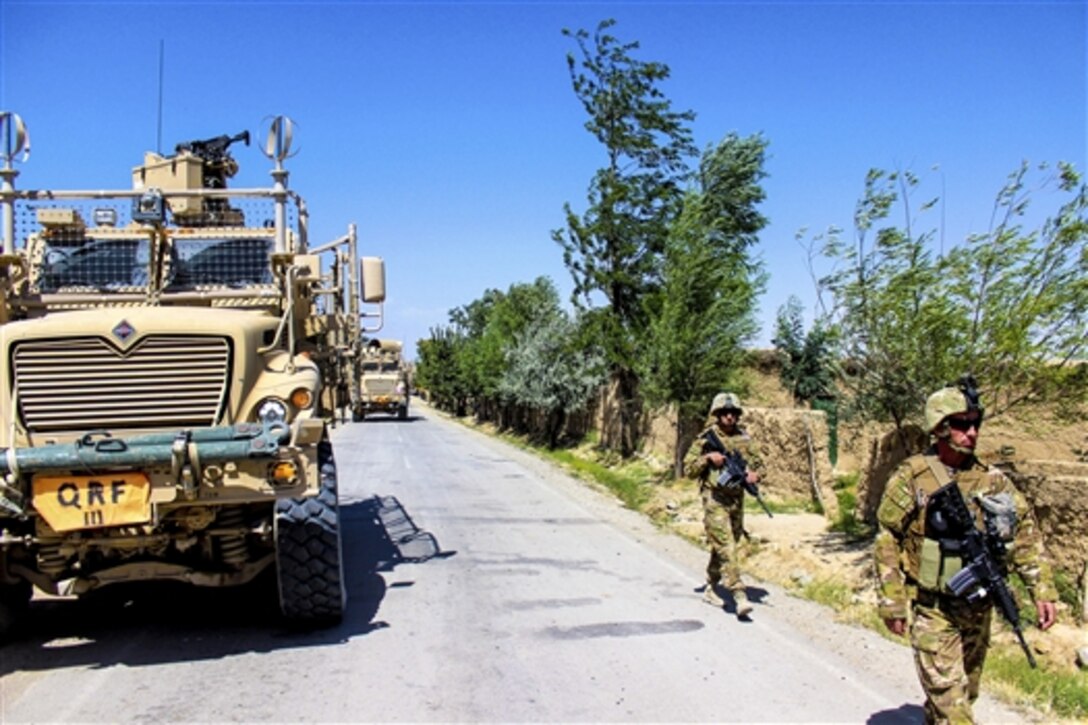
[158,136]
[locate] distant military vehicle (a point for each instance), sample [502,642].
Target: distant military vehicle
[384,384]
[169,352]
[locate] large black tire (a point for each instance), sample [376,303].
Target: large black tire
[309,553]
[14,603]
[402,412]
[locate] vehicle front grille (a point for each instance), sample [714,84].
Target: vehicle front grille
[80,384]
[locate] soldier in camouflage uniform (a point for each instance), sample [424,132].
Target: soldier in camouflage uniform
[949,635]
[723,507]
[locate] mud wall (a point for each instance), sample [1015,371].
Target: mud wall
[793,443]
[1057,491]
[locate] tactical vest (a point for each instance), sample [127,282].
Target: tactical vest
[925,559]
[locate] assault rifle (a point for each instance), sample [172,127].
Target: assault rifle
[983,573]
[735,470]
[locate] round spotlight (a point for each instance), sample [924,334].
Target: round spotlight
[271,410]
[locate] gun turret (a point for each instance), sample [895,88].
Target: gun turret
[213,149]
[219,165]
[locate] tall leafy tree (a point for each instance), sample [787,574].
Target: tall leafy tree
[885,307]
[706,310]
[1008,305]
[614,249]
[1023,292]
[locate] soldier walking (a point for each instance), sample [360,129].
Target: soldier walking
[918,557]
[723,506]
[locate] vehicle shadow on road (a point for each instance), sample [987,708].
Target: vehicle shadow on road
[378,536]
[160,622]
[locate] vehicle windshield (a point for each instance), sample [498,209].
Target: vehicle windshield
[220,262]
[374,366]
[102,264]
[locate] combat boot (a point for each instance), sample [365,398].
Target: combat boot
[744,607]
[710,595]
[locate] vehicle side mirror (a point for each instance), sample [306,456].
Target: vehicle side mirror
[373,279]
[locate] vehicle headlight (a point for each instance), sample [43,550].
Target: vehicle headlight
[272,410]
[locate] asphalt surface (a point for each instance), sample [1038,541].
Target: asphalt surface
[485,586]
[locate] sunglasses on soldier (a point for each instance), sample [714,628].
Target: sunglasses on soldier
[964,424]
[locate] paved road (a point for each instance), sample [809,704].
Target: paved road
[484,586]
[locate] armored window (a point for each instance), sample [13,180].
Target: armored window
[105,264]
[220,263]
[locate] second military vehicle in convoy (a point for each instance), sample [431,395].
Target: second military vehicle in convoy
[384,383]
[168,353]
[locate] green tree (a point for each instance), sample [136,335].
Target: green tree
[520,307]
[439,370]
[614,250]
[550,372]
[706,310]
[1023,293]
[808,358]
[464,362]
[1008,305]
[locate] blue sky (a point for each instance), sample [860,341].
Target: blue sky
[449,133]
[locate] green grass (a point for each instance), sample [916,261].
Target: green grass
[1068,589]
[631,484]
[847,522]
[828,592]
[1062,693]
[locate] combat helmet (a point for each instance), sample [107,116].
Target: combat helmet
[959,397]
[726,401]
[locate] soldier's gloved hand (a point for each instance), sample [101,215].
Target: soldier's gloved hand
[1048,613]
[896,625]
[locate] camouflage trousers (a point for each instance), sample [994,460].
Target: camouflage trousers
[723,518]
[950,643]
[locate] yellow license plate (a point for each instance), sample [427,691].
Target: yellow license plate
[90,502]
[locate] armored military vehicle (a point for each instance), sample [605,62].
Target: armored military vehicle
[383,381]
[168,353]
